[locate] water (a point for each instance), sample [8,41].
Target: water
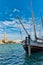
[14,54]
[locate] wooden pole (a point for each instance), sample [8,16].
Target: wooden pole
[29,47]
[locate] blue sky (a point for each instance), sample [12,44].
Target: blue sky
[9,9]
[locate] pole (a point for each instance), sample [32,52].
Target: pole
[29,47]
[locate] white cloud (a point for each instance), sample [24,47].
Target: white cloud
[16,10]
[8,23]
[5,23]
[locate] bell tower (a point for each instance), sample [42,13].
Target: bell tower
[5,37]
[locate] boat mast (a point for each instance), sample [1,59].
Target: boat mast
[34,25]
[33,20]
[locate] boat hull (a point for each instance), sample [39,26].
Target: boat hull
[34,49]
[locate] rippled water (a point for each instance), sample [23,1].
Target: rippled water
[14,54]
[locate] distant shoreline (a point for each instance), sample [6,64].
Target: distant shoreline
[10,41]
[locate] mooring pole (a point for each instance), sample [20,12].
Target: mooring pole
[29,47]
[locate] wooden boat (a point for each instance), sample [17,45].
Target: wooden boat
[35,46]
[32,46]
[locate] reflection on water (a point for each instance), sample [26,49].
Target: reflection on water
[14,54]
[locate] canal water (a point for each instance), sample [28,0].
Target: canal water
[14,54]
